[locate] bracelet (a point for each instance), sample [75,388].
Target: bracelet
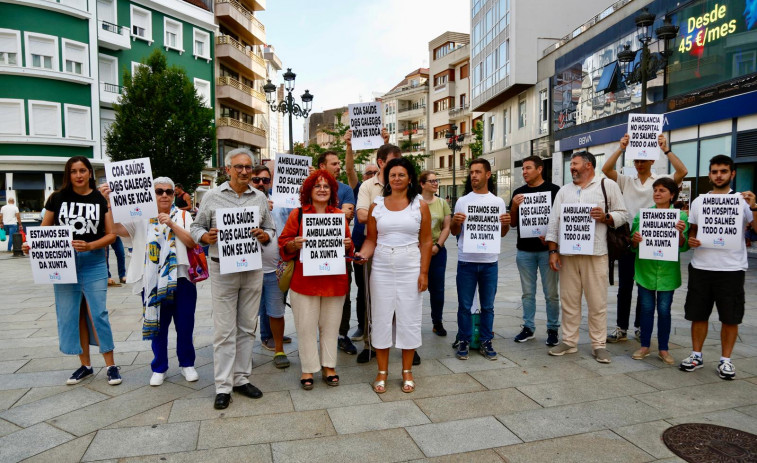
[753,209]
[668,152]
[553,251]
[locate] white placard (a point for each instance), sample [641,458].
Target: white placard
[577,229]
[366,121]
[132,196]
[533,214]
[323,252]
[643,130]
[659,236]
[238,249]
[720,225]
[51,255]
[291,171]
[482,228]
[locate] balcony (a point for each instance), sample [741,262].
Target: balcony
[248,26]
[241,132]
[110,94]
[112,36]
[229,88]
[459,112]
[447,87]
[230,49]
[413,112]
[417,134]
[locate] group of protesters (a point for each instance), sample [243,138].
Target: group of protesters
[395,250]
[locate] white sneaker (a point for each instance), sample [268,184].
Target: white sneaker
[190,374]
[157,379]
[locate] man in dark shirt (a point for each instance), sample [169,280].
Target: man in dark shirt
[182,199]
[533,256]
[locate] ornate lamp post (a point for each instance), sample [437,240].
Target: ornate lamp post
[452,143]
[288,106]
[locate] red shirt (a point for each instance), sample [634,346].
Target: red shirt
[325,285]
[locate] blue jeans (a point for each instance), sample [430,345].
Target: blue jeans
[93,285]
[118,248]
[664,299]
[470,275]
[9,231]
[272,304]
[436,284]
[182,310]
[528,265]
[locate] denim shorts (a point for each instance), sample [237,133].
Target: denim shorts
[272,298]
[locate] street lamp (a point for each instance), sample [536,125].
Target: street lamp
[452,143]
[288,106]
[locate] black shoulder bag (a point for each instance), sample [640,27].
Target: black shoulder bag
[619,238]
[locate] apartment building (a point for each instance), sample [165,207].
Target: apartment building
[316,125]
[405,112]
[62,67]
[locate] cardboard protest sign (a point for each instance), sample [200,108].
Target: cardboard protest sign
[291,171]
[132,196]
[533,214]
[323,252]
[238,249]
[643,130]
[366,122]
[720,225]
[51,255]
[659,236]
[482,228]
[577,229]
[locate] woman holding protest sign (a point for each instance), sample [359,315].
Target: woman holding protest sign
[399,240]
[316,300]
[80,307]
[159,271]
[658,279]
[441,218]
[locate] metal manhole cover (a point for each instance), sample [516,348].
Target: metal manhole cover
[705,443]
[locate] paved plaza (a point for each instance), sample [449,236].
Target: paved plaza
[524,407]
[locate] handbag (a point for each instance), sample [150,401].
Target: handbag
[198,263]
[2,234]
[285,269]
[618,238]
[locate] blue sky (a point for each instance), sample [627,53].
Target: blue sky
[345,51]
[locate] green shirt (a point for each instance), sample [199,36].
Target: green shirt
[659,275]
[439,209]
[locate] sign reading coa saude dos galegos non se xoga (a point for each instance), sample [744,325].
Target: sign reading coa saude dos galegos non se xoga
[132,197]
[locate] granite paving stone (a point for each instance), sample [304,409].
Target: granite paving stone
[142,440]
[433,386]
[324,396]
[31,441]
[157,415]
[360,418]
[43,378]
[50,407]
[260,453]
[72,450]
[672,378]
[11,366]
[583,390]
[596,447]
[6,427]
[479,456]
[475,404]
[698,399]
[202,409]
[728,418]
[10,397]
[647,436]
[556,373]
[461,436]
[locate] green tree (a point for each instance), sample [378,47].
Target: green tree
[161,117]
[477,146]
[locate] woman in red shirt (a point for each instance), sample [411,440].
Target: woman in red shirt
[316,300]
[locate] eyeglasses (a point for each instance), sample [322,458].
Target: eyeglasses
[241,167]
[433,182]
[321,187]
[263,180]
[370,173]
[161,191]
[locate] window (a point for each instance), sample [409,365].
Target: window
[141,23]
[203,91]
[441,162]
[108,69]
[743,63]
[491,133]
[522,111]
[106,11]
[201,44]
[12,121]
[443,104]
[463,100]
[78,122]
[41,51]
[543,112]
[173,37]
[463,126]
[10,47]
[135,67]
[505,127]
[464,71]
[75,57]
[440,79]
[44,119]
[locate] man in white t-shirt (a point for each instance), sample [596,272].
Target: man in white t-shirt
[475,270]
[637,194]
[716,276]
[9,215]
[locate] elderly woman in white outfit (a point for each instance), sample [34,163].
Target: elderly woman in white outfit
[399,241]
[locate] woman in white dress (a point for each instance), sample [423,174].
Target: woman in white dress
[399,241]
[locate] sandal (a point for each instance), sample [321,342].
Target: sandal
[331,380]
[409,383]
[307,383]
[380,384]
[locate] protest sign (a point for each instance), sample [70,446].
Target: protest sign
[291,171]
[366,122]
[482,228]
[643,130]
[323,252]
[533,214]
[51,255]
[238,249]
[719,221]
[132,196]
[577,229]
[659,236]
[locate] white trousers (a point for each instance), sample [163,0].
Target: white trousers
[314,317]
[395,297]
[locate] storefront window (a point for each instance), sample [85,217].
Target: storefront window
[712,147]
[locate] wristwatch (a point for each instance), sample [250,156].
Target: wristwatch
[440,246]
[668,152]
[607,217]
[553,251]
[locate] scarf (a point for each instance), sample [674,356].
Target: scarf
[159,280]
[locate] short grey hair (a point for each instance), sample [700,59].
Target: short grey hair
[164,181]
[237,152]
[370,164]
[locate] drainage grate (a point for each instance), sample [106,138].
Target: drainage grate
[700,443]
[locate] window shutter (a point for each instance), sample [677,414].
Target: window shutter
[39,46]
[77,123]
[8,43]
[46,120]
[11,119]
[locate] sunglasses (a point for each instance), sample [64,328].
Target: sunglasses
[263,180]
[161,191]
